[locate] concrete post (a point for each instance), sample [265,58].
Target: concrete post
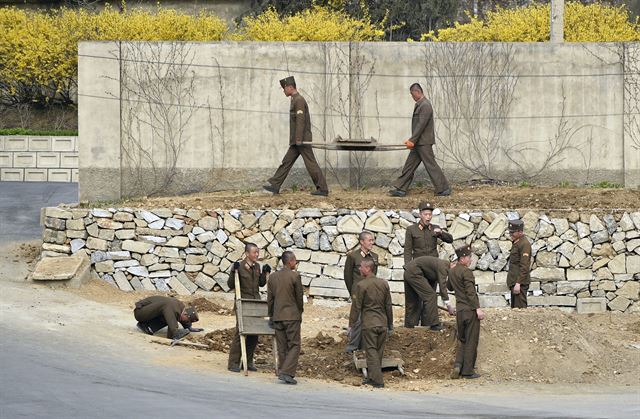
[557,20]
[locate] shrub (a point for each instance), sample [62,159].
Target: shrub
[582,23]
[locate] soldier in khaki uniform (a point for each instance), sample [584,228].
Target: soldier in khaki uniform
[422,275]
[155,312]
[299,134]
[352,277]
[421,239]
[421,145]
[518,278]
[468,315]
[251,279]
[372,303]
[285,299]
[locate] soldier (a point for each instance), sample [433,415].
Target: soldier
[352,277]
[421,239]
[154,313]
[421,145]
[372,303]
[299,133]
[518,278]
[468,315]
[251,279]
[285,299]
[422,275]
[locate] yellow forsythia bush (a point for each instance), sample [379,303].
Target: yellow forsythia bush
[314,24]
[38,51]
[582,23]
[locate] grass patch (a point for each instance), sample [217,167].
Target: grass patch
[605,184]
[26,131]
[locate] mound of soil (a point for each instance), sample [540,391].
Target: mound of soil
[202,304]
[464,197]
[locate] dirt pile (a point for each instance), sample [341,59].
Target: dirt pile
[202,304]
[464,197]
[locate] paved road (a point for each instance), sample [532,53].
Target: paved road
[51,376]
[20,204]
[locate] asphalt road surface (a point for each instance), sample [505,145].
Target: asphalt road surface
[20,204]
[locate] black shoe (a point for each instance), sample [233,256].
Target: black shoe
[180,333]
[252,367]
[287,379]
[471,376]
[144,328]
[446,192]
[455,372]
[271,189]
[234,369]
[376,385]
[320,193]
[436,327]
[397,192]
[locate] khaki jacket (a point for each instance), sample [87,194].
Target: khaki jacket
[351,272]
[422,131]
[155,306]
[431,268]
[422,241]
[300,120]
[285,295]
[519,263]
[372,301]
[462,282]
[250,280]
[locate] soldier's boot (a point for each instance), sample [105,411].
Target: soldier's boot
[455,372]
[180,333]
[320,193]
[234,369]
[471,376]
[397,193]
[436,327]
[269,187]
[287,379]
[251,366]
[144,328]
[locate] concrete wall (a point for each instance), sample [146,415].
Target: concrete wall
[545,113]
[580,261]
[38,159]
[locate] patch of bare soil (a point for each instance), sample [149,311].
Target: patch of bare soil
[463,198]
[29,252]
[202,304]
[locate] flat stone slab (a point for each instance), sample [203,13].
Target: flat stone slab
[73,270]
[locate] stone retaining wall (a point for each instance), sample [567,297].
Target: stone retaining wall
[38,159]
[580,261]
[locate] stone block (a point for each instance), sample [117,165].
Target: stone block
[69,160]
[302,254]
[125,234]
[48,160]
[147,284]
[138,271]
[59,175]
[75,175]
[591,305]
[484,277]
[460,228]
[379,223]
[619,303]
[326,282]
[633,264]
[328,292]
[497,227]
[12,175]
[325,258]
[492,301]
[104,266]
[73,270]
[121,280]
[552,300]
[221,279]
[396,287]
[63,143]
[309,213]
[35,175]
[579,274]
[333,271]
[186,282]
[97,244]
[618,265]
[178,287]
[24,160]
[495,288]
[350,224]
[548,274]
[136,246]
[39,144]
[205,282]
[136,284]
[58,248]
[6,160]
[630,290]
[571,287]
[15,144]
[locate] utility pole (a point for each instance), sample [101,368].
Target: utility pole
[557,20]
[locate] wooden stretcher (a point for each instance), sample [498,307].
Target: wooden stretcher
[356,144]
[392,362]
[252,317]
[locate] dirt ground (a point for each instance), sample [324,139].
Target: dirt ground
[464,197]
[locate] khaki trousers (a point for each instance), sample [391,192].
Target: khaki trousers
[288,340]
[422,154]
[373,340]
[420,301]
[468,336]
[235,352]
[519,300]
[310,163]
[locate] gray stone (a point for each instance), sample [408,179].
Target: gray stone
[607,286]
[635,217]
[148,259]
[350,224]
[633,264]
[492,301]
[195,214]
[302,254]
[126,263]
[577,257]
[379,223]
[579,274]
[309,268]
[631,245]
[178,287]
[96,244]
[298,239]
[105,266]
[326,282]
[125,234]
[600,237]
[495,288]
[595,224]
[494,248]
[54,223]
[460,228]
[231,224]
[407,216]
[75,224]
[310,227]
[211,224]
[313,241]
[159,267]
[149,217]
[618,265]
[350,241]
[178,241]
[197,230]
[136,284]
[100,213]
[154,239]
[545,229]
[382,240]
[582,229]
[296,225]
[283,238]
[395,248]
[553,300]
[174,223]
[338,245]
[484,277]
[147,284]
[99,256]
[329,220]
[553,242]
[571,287]
[585,244]
[325,243]
[479,247]
[591,305]
[325,258]
[138,270]
[76,244]
[157,225]
[122,217]
[561,225]
[497,227]
[610,223]
[54,236]
[328,292]
[205,237]
[136,246]
[309,213]
[619,303]
[196,268]
[630,290]
[122,282]
[499,263]
[626,223]
[196,259]
[485,261]
[548,274]
[547,259]
[56,212]
[205,282]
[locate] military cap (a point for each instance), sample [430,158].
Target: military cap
[192,314]
[516,225]
[288,81]
[425,206]
[463,251]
